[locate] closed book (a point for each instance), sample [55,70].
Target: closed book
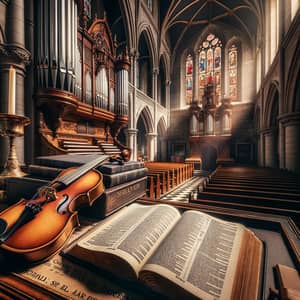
[115,198]
[114,167]
[118,178]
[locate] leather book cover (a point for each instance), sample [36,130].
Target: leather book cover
[115,198]
[113,168]
[118,178]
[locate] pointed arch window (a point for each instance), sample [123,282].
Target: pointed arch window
[233,69]
[189,79]
[210,64]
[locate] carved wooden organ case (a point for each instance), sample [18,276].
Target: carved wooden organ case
[82,86]
[211,125]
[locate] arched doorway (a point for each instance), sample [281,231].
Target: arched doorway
[145,128]
[141,139]
[209,157]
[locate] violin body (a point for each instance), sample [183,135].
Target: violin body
[46,233]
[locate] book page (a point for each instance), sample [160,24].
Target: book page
[200,255]
[134,233]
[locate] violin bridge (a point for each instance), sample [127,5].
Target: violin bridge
[48,192]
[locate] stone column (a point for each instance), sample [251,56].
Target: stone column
[154,80]
[151,146]
[261,149]
[291,123]
[269,149]
[13,53]
[132,143]
[132,131]
[154,83]
[168,92]
[281,146]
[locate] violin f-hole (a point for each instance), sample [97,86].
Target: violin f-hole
[63,204]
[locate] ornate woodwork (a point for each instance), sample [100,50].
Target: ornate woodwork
[210,129]
[89,104]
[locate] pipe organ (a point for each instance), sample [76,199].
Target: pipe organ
[57,50]
[82,85]
[210,127]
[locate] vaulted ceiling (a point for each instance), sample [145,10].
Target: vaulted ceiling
[182,18]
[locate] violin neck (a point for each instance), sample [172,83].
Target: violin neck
[73,176]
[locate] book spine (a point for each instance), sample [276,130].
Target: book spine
[116,197]
[111,168]
[112,180]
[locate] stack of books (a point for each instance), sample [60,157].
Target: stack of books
[123,185]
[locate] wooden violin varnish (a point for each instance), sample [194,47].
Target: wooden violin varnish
[38,228]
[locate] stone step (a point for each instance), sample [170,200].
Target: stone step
[81,147]
[75,143]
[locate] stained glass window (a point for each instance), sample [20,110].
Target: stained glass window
[210,64]
[189,79]
[233,72]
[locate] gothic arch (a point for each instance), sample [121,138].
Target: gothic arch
[145,63]
[145,29]
[271,127]
[146,116]
[293,83]
[162,126]
[166,63]
[129,23]
[162,78]
[161,139]
[272,105]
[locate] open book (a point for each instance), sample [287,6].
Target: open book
[188,256]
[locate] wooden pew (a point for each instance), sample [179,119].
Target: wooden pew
[170,175]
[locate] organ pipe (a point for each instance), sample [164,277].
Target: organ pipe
[121,99]
[57,44]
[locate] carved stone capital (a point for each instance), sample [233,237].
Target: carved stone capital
[16,53]
[155,71]
[133,52]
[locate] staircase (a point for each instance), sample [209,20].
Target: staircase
[108,148]
[80,147]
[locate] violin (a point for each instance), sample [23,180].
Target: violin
[38,228]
